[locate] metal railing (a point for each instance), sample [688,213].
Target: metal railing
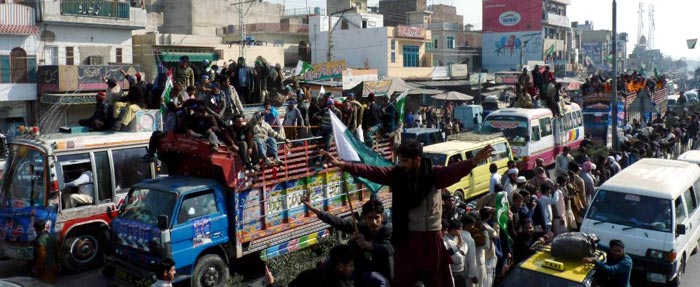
[96,8]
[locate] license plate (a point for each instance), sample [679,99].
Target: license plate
[126,277]
[656,277]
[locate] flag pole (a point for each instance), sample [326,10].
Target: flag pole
[352,210]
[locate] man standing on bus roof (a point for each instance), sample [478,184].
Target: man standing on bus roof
[561,162]
[85,187]
[417,211]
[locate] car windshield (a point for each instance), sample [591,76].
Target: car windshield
[145,205]
[435,158]
[631,210]
[513,128]
[523,277]
[23,181]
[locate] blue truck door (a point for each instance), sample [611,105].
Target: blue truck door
[200,223]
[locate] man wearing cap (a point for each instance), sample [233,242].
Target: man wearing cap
[183,74]
[326,125]
[113,92]
[102,118]
[203,88]
[216,102]
[617,268]
[293,120]
[511,181]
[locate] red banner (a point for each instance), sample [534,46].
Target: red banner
[511,15]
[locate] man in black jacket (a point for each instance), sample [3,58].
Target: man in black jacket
[101,119]
[371,120]
[372,247]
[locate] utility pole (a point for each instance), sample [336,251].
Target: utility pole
[330,29]
[615,138]
[241,22]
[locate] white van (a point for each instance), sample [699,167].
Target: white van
[692,156]
[652,206]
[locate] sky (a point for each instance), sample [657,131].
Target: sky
[670,34]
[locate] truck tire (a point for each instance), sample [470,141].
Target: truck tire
[210,271]
[82,252]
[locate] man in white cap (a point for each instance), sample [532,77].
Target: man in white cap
[511,181]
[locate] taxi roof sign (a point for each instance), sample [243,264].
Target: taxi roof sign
[552,264]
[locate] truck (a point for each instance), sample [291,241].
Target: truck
[209,212]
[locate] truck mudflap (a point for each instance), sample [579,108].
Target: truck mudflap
[293,245]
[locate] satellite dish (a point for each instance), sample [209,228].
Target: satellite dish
[48,36]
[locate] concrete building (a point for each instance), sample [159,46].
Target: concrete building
[80,42]
[355,6]
[395,12]
[19,37]
[364,42]
[558,37]
[450,42]
[445,14]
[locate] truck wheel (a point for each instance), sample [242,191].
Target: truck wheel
[81,252]
[210,271]
[460,195]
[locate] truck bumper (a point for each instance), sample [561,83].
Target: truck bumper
[654,270]
[17,251]
[126,273]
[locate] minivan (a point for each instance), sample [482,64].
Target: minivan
[426,136]
[692,156]
[464,147]
[652,206]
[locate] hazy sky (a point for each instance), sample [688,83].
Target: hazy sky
[676,21]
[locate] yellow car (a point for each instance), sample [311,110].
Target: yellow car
[463,147]
[542,269]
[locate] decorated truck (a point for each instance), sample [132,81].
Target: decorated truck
[209,211]
[34,187]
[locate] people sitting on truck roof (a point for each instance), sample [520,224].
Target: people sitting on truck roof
[326,126]
[202,124]
[265,139]
[125,108]
[242,135]
[101,119]
[372,237]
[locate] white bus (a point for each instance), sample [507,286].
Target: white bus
[535,133]
[34,188]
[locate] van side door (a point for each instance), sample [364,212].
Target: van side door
[693,226]
[681,217]
[480,176]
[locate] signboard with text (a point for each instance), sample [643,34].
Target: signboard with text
[326,71]
[409,32]
[511,15]
[502,51]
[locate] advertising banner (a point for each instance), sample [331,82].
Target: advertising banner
[511,15]
[326,71]
[502,51]
[593,53]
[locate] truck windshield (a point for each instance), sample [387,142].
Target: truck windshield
[23,181]
[145,205]
[632,210]
[513,128]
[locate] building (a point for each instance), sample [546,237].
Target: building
[518,31]
[19,37]
[364,42]
[445,14]
[81,42]
[451,42]
[395,12]
[351,6]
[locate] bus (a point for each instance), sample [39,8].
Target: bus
[536,133]
[34,188]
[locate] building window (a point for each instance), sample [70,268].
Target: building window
[95,60]
[51,56]
[393,57]
[69,56]
[450,42]
[119,55]
[364,24]
[410,56]
[435,43]
[19,71]
[393,44]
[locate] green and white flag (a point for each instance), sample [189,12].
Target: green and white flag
[302,67]
[502,208]
[400,104]
[351,149]
[167,89]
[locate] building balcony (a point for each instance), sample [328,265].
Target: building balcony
[20,20]
[66,78]
[94,12]
[556,20]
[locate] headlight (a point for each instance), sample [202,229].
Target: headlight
[655,254]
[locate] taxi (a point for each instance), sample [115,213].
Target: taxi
[543,269]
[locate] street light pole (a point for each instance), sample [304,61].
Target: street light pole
[615,138]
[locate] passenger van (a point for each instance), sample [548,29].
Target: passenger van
[464,146]
[692,156]
[652,206]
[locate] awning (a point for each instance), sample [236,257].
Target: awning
[194,57]
[19,29]
[72,99]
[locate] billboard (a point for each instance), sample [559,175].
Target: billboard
[511,15]
[326,71]
[502,51]
[593,53]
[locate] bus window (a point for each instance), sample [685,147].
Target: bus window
[128,168]
[23,181]
[535,133]
[546,126]
[104,177]
[81,193]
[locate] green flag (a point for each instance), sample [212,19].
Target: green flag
[400,104]
[502,208]
[166,92]
[302,67]
[549,51]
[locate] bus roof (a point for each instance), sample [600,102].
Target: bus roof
[63,142]
[661,178]
[531,113]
